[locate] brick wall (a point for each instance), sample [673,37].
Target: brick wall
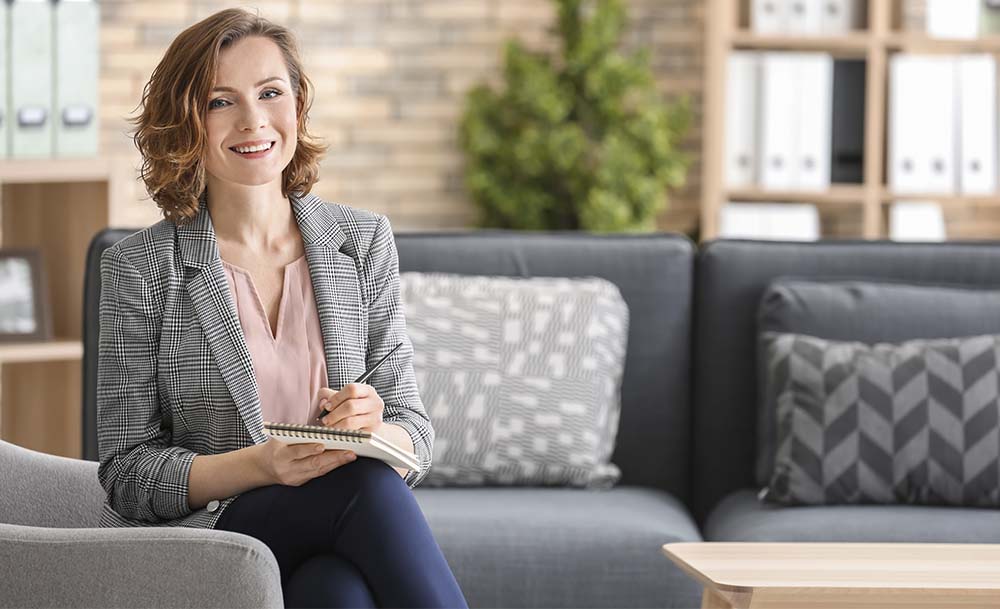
[390,79]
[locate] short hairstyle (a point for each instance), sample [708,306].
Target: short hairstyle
[170,130]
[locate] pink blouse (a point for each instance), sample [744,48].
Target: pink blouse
[290,366]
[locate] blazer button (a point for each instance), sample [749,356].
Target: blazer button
[213,505]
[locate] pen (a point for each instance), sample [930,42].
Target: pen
[364,377]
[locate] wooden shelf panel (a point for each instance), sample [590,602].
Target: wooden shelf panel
[836,195]
[851,45]
[918,43]
[48,351]
[944,200]
[40,171]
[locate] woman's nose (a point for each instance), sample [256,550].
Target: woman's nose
[252,119]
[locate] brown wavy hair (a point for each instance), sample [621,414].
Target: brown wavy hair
[170,130]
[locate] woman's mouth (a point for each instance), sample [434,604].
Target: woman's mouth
[253,152]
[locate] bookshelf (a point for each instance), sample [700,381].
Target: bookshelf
[727,29]
[56,206]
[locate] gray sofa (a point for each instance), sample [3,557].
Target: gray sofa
[685,446]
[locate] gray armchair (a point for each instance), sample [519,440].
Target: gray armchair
[53,555]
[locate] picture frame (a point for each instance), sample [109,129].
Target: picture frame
[25,310]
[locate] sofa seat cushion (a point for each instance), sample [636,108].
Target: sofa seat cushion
[741,517]
[562,547]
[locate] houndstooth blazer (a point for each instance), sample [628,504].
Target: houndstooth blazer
[175,378]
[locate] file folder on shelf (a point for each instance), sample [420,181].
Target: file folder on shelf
[840,16]
[75,119]
[814,95]
[922,124]
[781,221]
[952,18]
[769,16]
[804,17]
[742,81]
[5,112]
[847,141]
[30,78]
[916,221]
[779,121]
[977,105]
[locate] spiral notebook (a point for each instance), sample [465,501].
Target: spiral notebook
[361,443]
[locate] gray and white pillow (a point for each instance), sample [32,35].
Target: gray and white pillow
[521,377]
[915,422]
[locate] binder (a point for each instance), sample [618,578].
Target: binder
[989,18]
[922,124]
[769,16]
[916,221]
[952,18]
[75,120]
[5,113]
[779,120]
[769,221]
[742,78]
[977,99]
[847,142]
[804,16]
[840,16]
[30,80]
[814,96]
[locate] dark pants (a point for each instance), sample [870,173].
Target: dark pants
[354,537]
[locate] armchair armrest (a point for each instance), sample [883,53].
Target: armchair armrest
[135,567]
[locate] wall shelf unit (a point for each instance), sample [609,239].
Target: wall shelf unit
[56,206]
[728,29]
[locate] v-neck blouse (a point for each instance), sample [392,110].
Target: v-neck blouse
[290,366]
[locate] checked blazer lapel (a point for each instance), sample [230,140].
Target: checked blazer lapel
[336,290]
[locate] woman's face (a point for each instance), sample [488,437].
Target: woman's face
[251,108]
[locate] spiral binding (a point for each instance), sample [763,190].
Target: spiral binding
[314,432]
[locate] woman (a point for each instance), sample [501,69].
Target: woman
[255,301]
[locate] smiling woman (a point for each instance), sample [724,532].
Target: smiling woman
[254,300]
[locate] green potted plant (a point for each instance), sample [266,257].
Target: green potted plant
[581,140]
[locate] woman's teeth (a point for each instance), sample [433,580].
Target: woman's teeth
[245,150]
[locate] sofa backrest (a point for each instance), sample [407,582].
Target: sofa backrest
[653,273]
[731,276]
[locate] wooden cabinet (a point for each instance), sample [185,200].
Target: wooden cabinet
[56,206]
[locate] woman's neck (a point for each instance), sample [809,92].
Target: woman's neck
[258,219]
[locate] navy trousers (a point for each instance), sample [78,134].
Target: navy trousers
[354,537]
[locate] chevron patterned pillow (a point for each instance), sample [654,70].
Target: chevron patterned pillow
[521,377]
[913,423]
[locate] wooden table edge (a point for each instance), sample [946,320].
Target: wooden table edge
[697,575]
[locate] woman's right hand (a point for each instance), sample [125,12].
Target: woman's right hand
[296,464]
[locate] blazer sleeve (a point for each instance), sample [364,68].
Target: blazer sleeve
[144,476]
[395,381]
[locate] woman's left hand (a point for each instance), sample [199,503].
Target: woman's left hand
[357,406]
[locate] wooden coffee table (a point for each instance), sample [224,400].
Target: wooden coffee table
[842,575]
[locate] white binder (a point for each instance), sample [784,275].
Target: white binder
[75,121]
[922,124]
[916,221]
[30,79]
[742,80]
[771,221]
[769,16]
[814,107]
[840,16]
[779,120]
[952,18]
[977,99]
[5,112]
[804,16]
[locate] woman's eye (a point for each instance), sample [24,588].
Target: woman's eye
[216,103]
[275,91]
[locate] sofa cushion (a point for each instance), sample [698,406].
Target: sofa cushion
[868,312]
[912,423]
[741,517]
[518,547]
[521,376]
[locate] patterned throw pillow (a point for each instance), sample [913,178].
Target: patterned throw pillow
[910,423]
[520,377]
